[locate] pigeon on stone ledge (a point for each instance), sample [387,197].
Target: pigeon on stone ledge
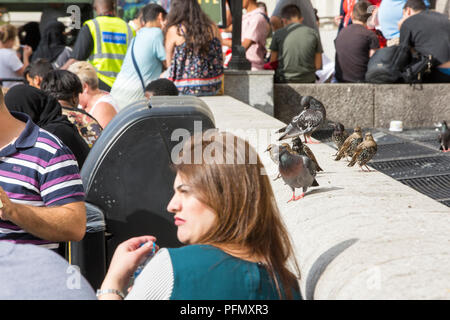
[350,144]
[365,151]
[311,118]
[297,171]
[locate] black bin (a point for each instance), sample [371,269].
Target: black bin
[127,175]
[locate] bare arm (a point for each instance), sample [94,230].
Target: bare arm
[68,64]
[27,51]
[171,38]
[247,43]
[58,224]
[318,61]
[104,112]
[273,56]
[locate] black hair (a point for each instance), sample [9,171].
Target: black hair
[416,5]
[39,67]
[291,11]
[62,85]
[151,11]
[162,87]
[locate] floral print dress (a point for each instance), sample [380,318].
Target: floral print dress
[195,74]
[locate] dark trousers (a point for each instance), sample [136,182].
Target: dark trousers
[437,77]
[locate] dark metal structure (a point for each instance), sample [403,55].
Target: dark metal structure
[128,178]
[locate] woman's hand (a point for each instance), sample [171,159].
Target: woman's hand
[127,257]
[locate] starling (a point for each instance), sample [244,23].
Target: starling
[339,135]
[350,144]
[444,137]
[297,171]
[365,151]
[302,149]
[311,118]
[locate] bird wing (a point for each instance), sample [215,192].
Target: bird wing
[310,155]
[344,147]
[317,105]
[356,154]
[305,122]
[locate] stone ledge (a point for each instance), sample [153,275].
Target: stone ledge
[358,235]
[369,105]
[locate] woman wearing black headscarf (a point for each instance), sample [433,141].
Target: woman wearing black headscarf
[53,45]
[46,112]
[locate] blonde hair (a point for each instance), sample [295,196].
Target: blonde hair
[7,32]
[243,200]
[86,72]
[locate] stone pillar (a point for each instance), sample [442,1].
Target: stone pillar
[254,88]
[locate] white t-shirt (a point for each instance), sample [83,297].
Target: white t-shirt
[9,65]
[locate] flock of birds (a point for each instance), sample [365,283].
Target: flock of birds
[297,164]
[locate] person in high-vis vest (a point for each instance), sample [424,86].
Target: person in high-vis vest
[103,42]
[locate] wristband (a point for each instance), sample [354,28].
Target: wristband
[101,292]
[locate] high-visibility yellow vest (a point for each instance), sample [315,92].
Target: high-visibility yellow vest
[111,37]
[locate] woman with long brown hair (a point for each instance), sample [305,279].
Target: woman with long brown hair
[237,246]
[194,49]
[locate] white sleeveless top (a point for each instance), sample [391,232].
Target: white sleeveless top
[108,99]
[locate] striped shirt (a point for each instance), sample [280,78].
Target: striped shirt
[37,170]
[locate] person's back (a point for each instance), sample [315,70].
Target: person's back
[389,14]
[150,57]
[103,42]
[297,57]
[355,44]
[204,272]
[28,272]
[429,33]
[194,49]
[297,49]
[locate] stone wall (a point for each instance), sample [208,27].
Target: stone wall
[369,105]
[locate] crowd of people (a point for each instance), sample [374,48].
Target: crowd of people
[71,94]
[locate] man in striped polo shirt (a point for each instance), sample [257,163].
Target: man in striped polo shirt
[41,193]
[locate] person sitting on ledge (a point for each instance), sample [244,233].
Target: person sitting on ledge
[296,49]
[427,32]
[237,246]
[355,44]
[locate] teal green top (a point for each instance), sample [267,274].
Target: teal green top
[203,272]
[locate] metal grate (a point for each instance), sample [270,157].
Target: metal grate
[446,202]
[411,157]
[401,150]
[436,187]
[409,168]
